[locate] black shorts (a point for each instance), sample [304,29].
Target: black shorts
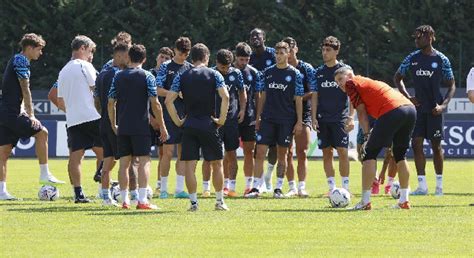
[133,145]
[175,134]
[393,128]
[275,133]
[332,134]
[109,143]
[195,140]
[230,137]
[84,136]
[429,126]
[247,133]
[11,130]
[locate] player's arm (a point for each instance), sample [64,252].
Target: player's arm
[161,80]
[112,113]
[299,93]
[363,118]
[111,105]
[28,101]
[156,106]
[60,100]
[53,94]
[400,74]
[242,98]
[170,98]
[314,110]
[349,126]
[448,79]
[224,94]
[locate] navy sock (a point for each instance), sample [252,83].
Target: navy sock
[78,192]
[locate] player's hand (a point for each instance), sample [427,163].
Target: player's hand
[437,110]
[414,101]
[217,122]
[241,116]
[163,134]
[315,125]
[154,123]
[349,125]
[180,95]
[257,124]
[298,128]
[35,123]
[115,129]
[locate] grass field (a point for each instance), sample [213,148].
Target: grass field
[436,226]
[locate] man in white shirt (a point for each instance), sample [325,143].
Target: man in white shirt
[75,84]
[470,85]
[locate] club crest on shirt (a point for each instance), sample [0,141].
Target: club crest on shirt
[434,65]
[288,78]
[231,78]
[249,77]
[268,62]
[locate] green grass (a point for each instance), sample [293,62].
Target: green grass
[436,226]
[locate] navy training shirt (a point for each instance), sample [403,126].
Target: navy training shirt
[333,103]
[234,83]
[199,87]
[18,67]
[281,86]
[132,88]
[103,83]
[164,78]
[263,61]
[252,81]
[428,73]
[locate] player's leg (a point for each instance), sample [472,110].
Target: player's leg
[74,170]
[401,141]
[158,181]
[436,133]
[247,136]
[189,156]
[225,167]
[179,191]
[282,152]
[272,160]
[133,180]
[339,139]
[260,154]
[249,163]
[5,151]
[324,143]
[419,134]
[165,164]
[141,152]
[206,179]
[24,128]
[290,172]
[231,143]
[109,143]
[302,145]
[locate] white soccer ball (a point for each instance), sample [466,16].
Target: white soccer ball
[48,193]
[115,192]
[149,192]
[395,190]
[339,198]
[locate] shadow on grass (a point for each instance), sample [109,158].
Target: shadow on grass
[309,210]
[459,194]
[58,209]
[19,203]
[440,206]
[129,213]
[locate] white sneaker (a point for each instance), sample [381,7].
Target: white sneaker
[291,193]
[419,191]
[50,180]
[194,207]
[439,191]
[110,203]
[302,193]
[268,183]
[254,193]
[221,206]
[8,197]
[263,188]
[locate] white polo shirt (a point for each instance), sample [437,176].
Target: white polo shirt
[470,80]
[75,83]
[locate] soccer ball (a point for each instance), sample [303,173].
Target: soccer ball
[115,191]
[149,193]
[48,193]
[339,198]
[395,190]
